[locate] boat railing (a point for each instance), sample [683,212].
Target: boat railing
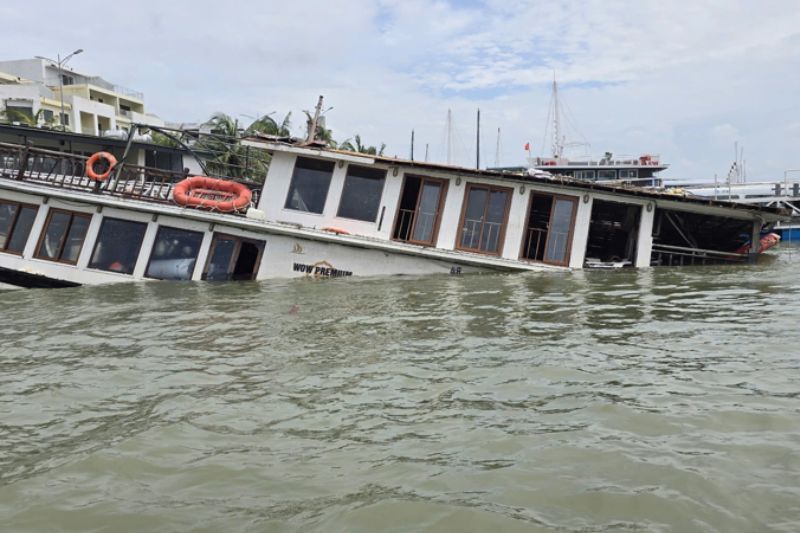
[534,242]
[68,171]
[668,255]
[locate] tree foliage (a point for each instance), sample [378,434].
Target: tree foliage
[357,146]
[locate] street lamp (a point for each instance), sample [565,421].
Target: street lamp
[61,63]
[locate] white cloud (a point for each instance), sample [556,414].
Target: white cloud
[638,77]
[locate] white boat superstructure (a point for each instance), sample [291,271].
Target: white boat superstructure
[328,213]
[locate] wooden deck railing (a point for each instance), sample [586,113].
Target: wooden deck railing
[68,171]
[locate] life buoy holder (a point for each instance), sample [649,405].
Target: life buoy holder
[94,159]
[212,193]
[337,231]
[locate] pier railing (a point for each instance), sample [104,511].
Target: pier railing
[68,171]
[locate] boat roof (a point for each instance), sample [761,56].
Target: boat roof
[321,150]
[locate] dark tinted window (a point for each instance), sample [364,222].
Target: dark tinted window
[361,194]
[174,253]
[22,229]
[118,245]
[63,236]
[309,187]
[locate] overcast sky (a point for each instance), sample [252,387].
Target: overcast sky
[683,79]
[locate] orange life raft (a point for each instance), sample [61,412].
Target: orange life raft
[212,193]
[765,243]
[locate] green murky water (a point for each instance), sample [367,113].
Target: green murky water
[653,400]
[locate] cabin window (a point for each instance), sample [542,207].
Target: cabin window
[421,204]
[606,174]
[309,187]
[174,253]
[233,258]
[613,233]
[118,245]
[548,233]
[628,173]
[16,221]
[483,220]
[361,194]
[584,175]
[63,236]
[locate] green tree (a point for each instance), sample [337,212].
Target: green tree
[357,146]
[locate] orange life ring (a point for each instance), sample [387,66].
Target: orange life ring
[337,231]
[112,162]
[212,193]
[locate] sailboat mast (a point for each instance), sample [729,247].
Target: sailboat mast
[556,122]
[449,136]
[497,150]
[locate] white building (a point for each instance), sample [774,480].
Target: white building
[91,105]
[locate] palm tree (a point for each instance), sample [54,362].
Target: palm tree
[10,115]
[322,133]
[226,156]
[357,146]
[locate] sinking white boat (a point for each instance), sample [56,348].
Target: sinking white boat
[334,214]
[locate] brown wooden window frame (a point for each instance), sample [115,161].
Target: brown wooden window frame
[502,235]
[260,244]
[43,234]
[568,252]
[439,209]
[13,226]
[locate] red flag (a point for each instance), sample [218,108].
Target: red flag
[527,147]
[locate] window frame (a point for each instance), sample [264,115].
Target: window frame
[633,171]
[97,242]
[445,184]
[380,195]
[13,226]
[291,188]
[43,235]
[260,244]
[570,238]
[613,175]
[153,246]
[504,225]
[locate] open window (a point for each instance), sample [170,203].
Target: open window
[16,221]
[63,236]
[483,219]
[233,258]
[361,194]
[309,187]
[548,232]
[118,245]
[421,204]
[174,253]
[613,234]
[683,238]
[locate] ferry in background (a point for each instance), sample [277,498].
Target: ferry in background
[639,171]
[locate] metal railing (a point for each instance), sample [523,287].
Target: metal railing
[668,255]
[534,241]
[68,171]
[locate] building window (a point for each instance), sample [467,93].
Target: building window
[606,174]
[67,80]
[585,175]
[361,194]
[63,235]
[483,220]
[118,245]
[174,253]
[64,119]
[630,173]
[310,183]
[16,221]
[421,204]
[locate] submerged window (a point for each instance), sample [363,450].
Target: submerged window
[483,221]
[118,245]
[361,194]
[174,253]
[309,187]
[16,221]
[233,258]
[63,235]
